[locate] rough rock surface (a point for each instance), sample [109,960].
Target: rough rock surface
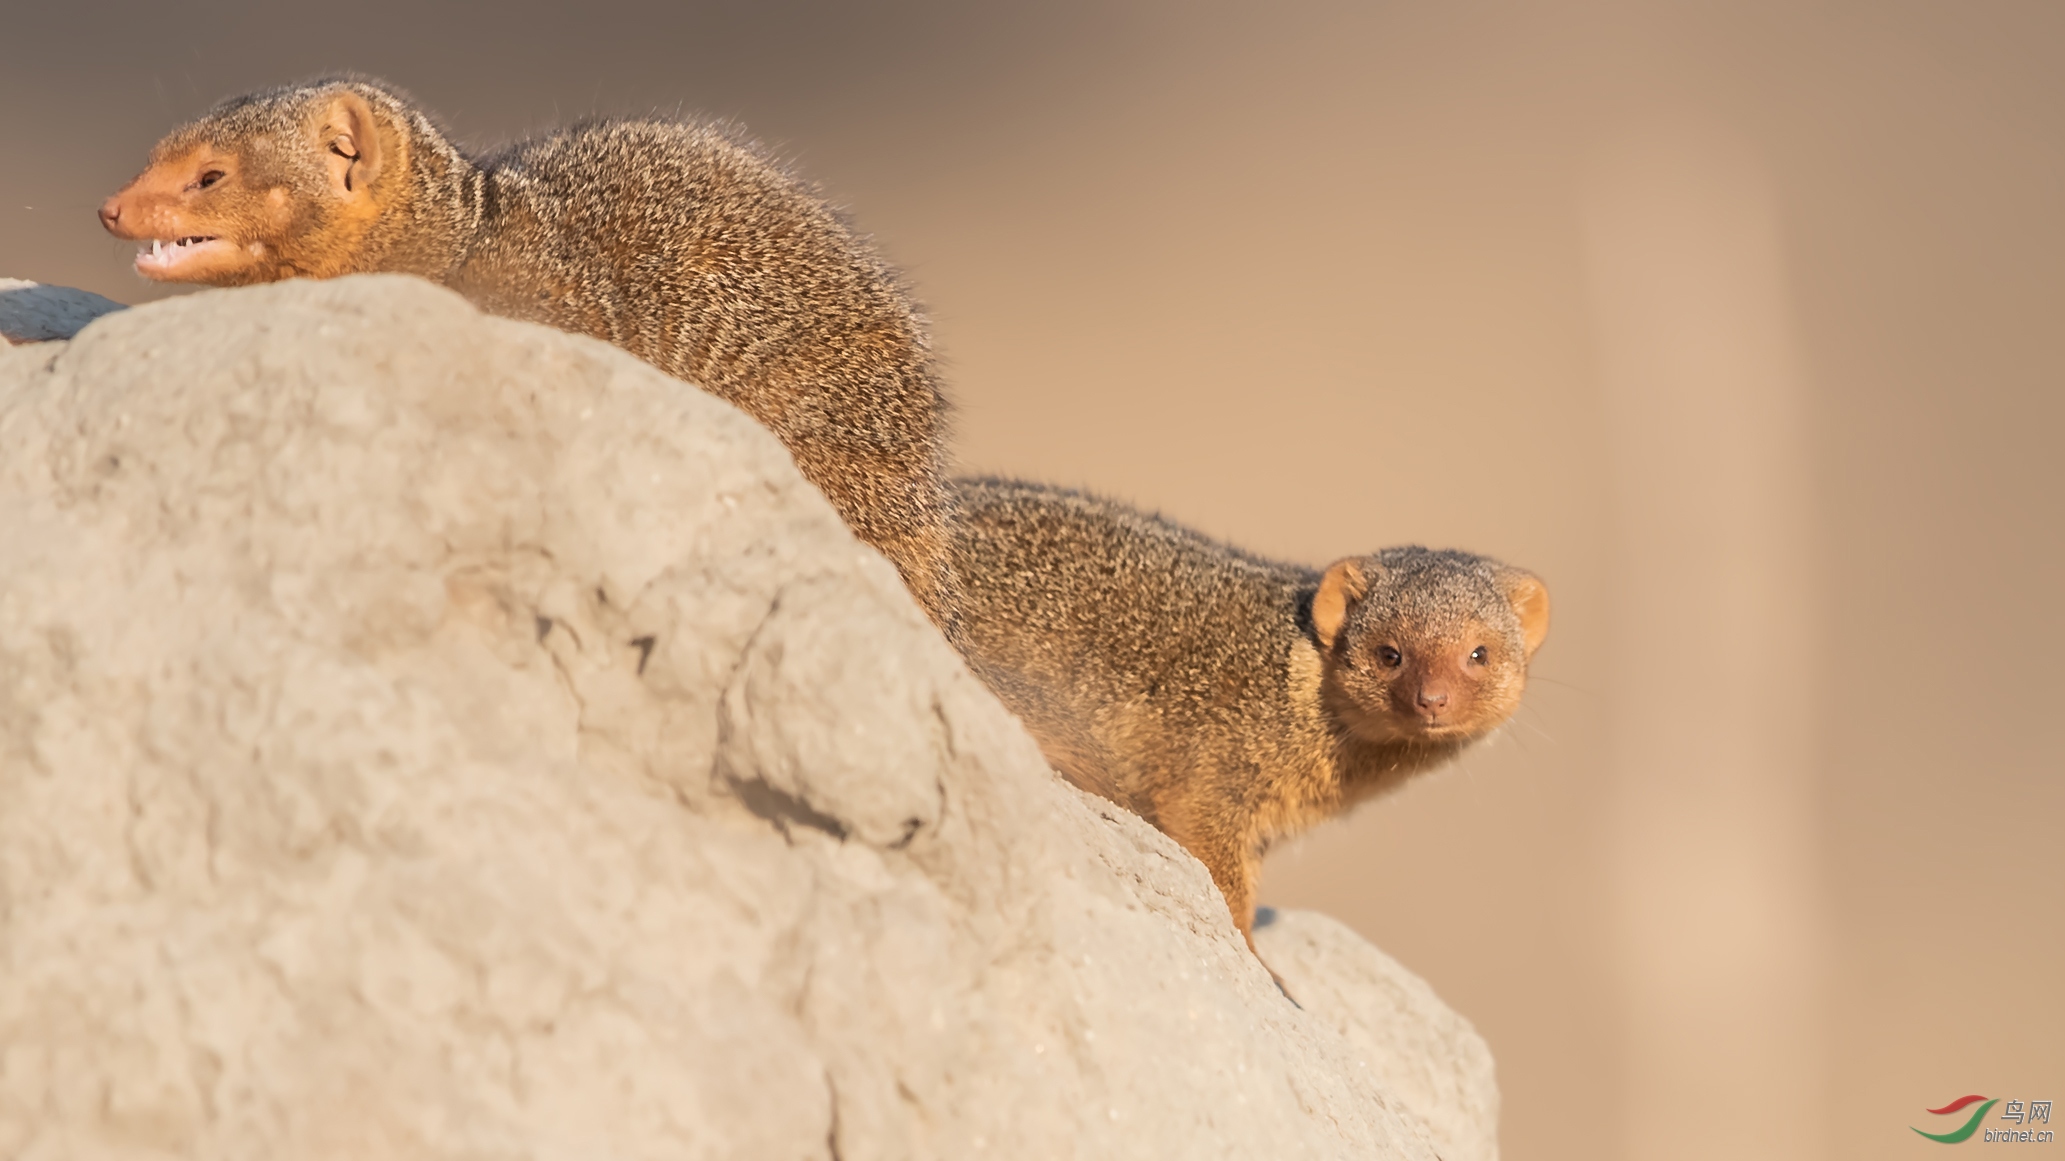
[31,312]
[1417,1047]
[425,735]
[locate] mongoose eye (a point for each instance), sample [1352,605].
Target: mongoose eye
[209,178]
[1480,655]
[1389,656]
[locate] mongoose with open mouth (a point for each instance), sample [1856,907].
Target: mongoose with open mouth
[682,243]
[1227,699]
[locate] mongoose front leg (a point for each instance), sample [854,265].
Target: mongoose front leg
[1234,868]
[1230,857]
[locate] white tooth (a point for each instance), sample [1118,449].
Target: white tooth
[157,247]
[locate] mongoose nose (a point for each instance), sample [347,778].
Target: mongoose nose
[1432,702]
[111,212]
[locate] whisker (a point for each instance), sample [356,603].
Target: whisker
[1506,730]
[1516,721]
[1469,773]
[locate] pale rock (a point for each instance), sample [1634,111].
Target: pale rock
[1416,1046]
[424,735]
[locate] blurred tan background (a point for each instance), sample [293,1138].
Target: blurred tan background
[1742,323]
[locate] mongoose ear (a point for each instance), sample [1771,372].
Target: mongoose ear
[349,139]
[1530,600]
[1342,586]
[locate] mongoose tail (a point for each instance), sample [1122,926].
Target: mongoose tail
[1230,700]
[680,242]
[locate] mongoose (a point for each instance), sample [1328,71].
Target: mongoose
[1227,699]
[682,243]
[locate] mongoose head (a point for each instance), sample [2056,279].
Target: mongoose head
[274,185]
[1419,645]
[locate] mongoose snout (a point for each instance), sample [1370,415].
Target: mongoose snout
[1431,701]
[1432,687]
[185,210]
[1434,692]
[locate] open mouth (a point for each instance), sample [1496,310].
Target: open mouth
[161,257]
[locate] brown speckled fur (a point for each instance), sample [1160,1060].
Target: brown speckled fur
[1213,692]
[679,242]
